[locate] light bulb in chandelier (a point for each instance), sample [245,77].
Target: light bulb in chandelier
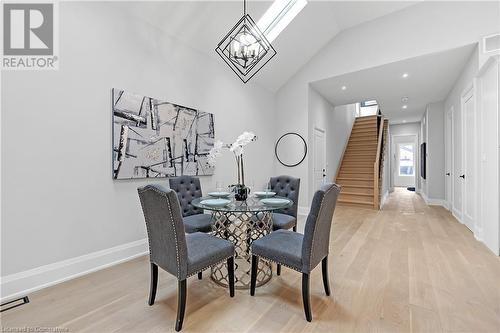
[245,46]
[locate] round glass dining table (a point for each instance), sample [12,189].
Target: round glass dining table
[242,222]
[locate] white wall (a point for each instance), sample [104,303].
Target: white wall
[453,100]
[404,34]
[337,122]
[341,121]
[58,198]
[435,152]
[488,88]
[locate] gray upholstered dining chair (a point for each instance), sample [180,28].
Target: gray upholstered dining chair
[288,187]
[178,253]
[187,189]
[301,252]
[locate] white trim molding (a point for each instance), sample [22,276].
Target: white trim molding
[432,201]
[303,210]
[424,196]
[456,214]
[22,283]
[384,198]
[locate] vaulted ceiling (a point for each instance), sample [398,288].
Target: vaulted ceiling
[202,24]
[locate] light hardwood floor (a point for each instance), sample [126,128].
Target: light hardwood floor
[407,268]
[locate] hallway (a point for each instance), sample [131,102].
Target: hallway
[407,268]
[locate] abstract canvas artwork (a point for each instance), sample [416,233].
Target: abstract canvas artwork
[153,138]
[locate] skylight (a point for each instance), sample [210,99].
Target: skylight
[278,16]
[369,103]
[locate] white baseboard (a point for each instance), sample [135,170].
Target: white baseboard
[384,198]
[424,196]
[303,210]
[432,201]
[456,214]
[22,283]
[436,202]
[478,234]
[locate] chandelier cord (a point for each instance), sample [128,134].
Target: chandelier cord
[244,7]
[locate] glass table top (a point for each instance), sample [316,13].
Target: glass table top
[252,204]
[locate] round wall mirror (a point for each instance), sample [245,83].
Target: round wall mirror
[291,149]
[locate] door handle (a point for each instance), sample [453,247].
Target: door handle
[462,176]
[447,173]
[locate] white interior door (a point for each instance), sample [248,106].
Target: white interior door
[468,176]
[449,158]
[319,158]
[405,164]
[457,186]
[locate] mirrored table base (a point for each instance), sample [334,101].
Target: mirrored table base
[242,228]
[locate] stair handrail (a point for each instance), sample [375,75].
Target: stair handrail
[376,166]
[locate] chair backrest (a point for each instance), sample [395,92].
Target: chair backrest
[167,241]
[318,225]
[187,189]
[288,187]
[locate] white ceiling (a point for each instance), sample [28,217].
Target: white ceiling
[430,79]
[201,25]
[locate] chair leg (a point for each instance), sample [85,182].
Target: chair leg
[181,304]
[305,296]
[200,275]
[253,277]
[230,275]
[154,284]
[324,269]
[278,269]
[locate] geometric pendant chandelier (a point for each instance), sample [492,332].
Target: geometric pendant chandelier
[245,48]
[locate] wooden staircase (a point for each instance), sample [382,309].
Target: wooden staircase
[359,173]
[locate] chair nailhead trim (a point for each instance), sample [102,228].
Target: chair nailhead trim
[280,263]
[201,270]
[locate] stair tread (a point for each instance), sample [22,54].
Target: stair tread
[355,201]
[359,186]
[351,178]
[359,157]
[354,169]
[357,193]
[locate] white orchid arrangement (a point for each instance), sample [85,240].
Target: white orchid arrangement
[237,148]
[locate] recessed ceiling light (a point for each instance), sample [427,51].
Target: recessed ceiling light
[344,87]
[405,75]
[404,121]
[404,99]
[405,106]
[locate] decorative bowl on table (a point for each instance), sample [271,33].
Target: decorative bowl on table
[275,202]
[216,203]
[219,194]
[264,194]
